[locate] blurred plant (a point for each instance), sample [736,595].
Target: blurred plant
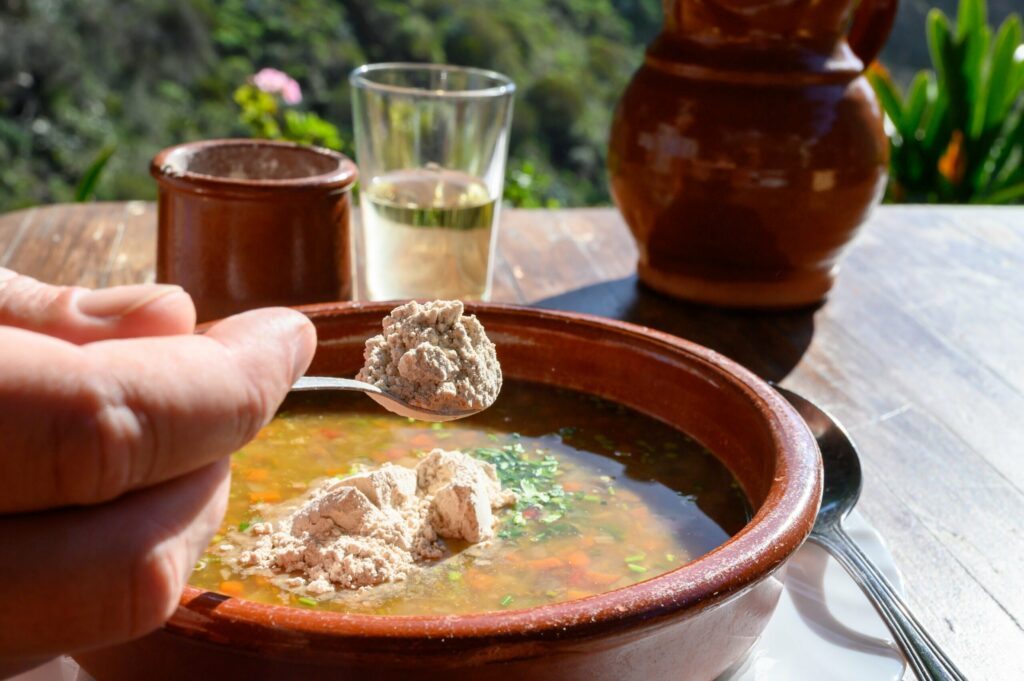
[86,188]
[958,134]
[527,187]
[261,99]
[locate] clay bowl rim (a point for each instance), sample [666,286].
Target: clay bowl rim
[342,177]
[776,531]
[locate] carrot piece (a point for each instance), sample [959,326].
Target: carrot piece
[572,486]
[232,587]
[578,559]
[257,474]
[269,496]
[479,580]
[549,563]
[599,579]
[421,441]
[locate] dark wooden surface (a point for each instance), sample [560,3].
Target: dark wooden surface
[919,351]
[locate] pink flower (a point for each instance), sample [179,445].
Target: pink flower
[291,93]
[278,82]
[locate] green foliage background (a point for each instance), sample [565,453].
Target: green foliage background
[77,76]
[80,76]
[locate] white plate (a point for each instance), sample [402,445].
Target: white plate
[824,627]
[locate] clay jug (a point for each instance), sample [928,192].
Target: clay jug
[748,148]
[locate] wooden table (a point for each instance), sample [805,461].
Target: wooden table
[919,350]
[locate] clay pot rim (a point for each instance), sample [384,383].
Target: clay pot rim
[342,177]
[776,531]
[504,86]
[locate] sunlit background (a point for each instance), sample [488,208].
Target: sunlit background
[84,81]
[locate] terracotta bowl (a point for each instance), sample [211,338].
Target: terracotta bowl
[686,625]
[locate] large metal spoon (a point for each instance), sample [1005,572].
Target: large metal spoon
[381,397]
[842,489]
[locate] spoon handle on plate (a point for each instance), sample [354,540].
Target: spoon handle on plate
[923,654]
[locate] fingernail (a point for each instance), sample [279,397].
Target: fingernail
[121,301]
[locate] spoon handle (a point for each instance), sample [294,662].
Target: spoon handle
[307,383]
[923,654]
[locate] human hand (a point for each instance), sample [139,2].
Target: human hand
[115,423]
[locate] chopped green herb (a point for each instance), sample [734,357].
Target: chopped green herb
[540,498]
[636,557]
[493,437]
[507,601]
[437,426]
[670,557]
[244,525]
[591,497]
[636,568]
[611,490]
[305,600]
[454,576]
[551,594]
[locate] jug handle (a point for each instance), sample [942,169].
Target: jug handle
[870,28]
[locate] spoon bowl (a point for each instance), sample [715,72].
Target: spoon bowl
[380,396]
[841,490]
[843,478]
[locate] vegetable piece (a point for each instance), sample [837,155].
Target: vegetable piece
[540,498]
[548,563]
[232,587]
[306,600]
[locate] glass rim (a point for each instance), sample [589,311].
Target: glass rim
[503,84]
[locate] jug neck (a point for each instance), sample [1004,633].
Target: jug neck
[757,40]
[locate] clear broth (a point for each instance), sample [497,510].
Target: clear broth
[640,499]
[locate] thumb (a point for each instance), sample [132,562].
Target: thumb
[81,315]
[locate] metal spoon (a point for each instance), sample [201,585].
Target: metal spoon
[381,397]
[843,483]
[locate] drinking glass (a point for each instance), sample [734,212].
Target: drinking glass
[431,142]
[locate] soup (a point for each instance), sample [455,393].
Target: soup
[607,498]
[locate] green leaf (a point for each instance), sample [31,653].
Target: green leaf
[939,127]
[971,17]
[1003,86]
[916,106]
[1010,194]
[889,96]
[86,188]
[975,76]
[939,43]
[1001,164]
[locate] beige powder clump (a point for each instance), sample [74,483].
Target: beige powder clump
[433,356]
[375,527]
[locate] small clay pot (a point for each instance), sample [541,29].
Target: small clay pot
[247,223]
[689,624]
